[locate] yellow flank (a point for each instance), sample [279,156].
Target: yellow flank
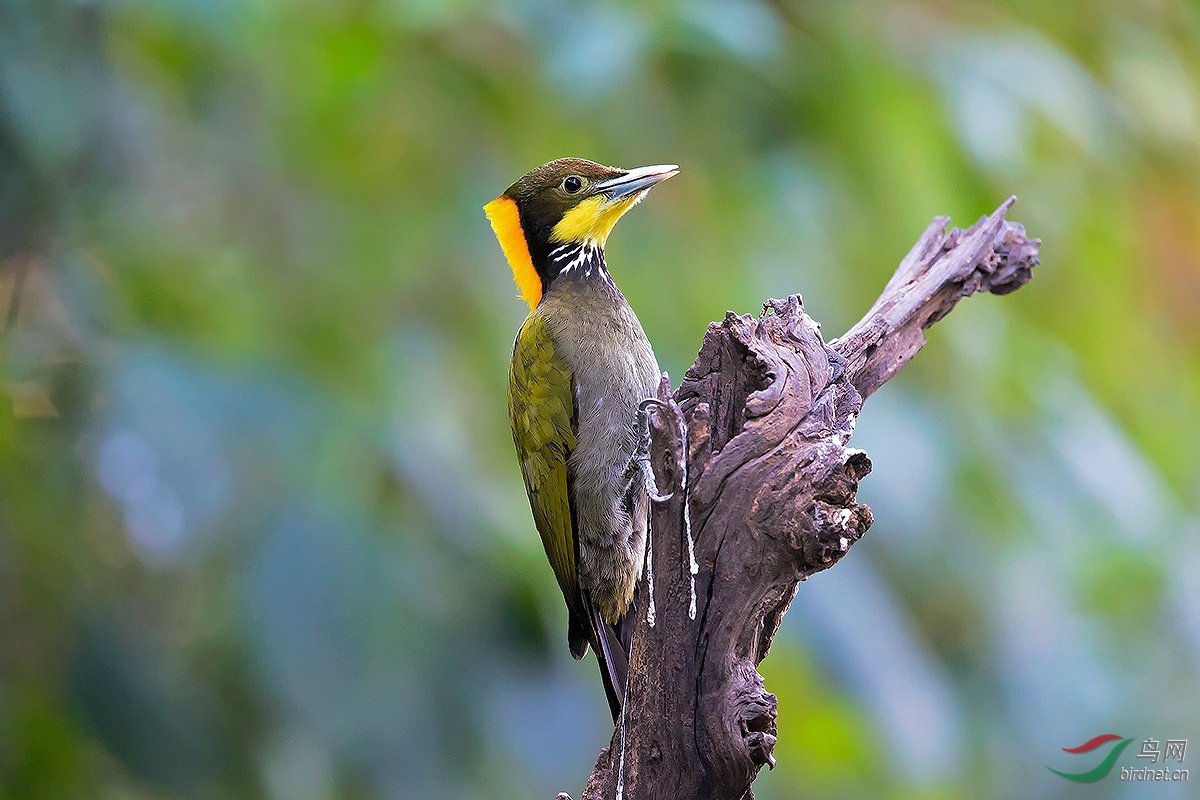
[506,222]
[591,220]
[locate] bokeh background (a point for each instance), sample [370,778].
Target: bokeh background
[262,533]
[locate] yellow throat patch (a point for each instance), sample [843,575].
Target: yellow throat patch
[592,220]
[506,222]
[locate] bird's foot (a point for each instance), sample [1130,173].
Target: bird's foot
[642,455]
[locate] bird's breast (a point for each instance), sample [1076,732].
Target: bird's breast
[602,341]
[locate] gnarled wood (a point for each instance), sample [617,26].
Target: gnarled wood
[752,448]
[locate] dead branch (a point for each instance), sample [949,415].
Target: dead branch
[753,446]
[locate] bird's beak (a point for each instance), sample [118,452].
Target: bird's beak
[634,181]
[593,217]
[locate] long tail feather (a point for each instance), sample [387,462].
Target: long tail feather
[613,659]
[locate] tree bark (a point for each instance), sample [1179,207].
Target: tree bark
[752,449]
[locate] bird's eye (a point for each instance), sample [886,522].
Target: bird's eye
[572,184]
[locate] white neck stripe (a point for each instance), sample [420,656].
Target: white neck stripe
[583,258]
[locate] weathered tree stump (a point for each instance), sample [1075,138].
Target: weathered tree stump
[752,448]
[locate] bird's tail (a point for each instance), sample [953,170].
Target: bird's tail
[614,668]
[612,652]
[611,644]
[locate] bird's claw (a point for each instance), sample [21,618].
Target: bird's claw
[651,484]
[642,455]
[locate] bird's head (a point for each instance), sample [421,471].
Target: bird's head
[567,201]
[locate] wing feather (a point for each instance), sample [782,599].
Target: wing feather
[541,406]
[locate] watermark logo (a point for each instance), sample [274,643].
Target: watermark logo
[1172,749]
[1104,767]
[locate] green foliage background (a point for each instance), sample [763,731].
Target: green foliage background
[262,534]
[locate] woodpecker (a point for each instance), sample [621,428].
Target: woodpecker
[581,367]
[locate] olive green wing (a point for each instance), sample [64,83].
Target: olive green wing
[541,410]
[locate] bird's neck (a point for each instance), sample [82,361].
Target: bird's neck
[577,261]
